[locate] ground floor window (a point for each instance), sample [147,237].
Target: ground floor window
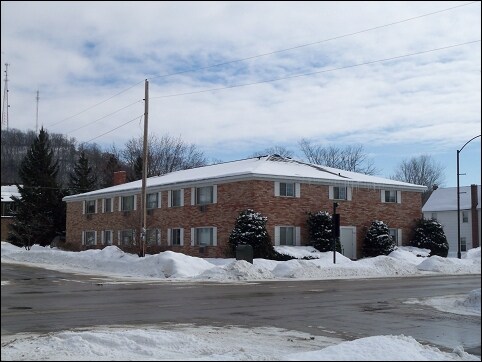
[153,237]
[463,244]
[205,236]
[287,235]
[107,237]
[176,237]
[90,237]
[126,237]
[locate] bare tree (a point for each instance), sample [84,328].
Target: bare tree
[165,154]
[275,150]
[421,170]
[350,158]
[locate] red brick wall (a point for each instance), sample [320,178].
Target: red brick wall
[232,198]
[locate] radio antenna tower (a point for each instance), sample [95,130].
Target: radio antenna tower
[5,105]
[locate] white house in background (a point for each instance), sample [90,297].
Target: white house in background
[7,207]
[442,206]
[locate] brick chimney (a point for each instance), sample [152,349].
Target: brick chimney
[120,177]
[475,217]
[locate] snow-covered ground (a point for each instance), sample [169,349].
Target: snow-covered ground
[188,342]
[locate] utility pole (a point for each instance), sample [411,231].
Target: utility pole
[36,119]
[5,105]
[144,174]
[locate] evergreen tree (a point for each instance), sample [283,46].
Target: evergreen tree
[378,240]
[40,211]
[429,234]
[82,179]
[250,229]
[320,226]
[137,171]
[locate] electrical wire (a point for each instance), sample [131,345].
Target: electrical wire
[112,130]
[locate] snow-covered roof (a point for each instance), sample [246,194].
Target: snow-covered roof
[8,191]
[272,167]
[445,199]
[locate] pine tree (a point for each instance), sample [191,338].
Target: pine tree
[40,214]
[378,240]
[320,226]
[429,234]
[82,179]
[137,171]
[250,229]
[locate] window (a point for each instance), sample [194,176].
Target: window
[108,205]
[8,208]
[434,216]
[204,236]
[176,198]
[392,196]
[107,236]
[127,203]
[153,237]
[339,193]
[152,200]
[463,244]
[176,236]
[287,189]
[89,237]
[90,207]
[465,216]
[287,235]
[204,195]
[396,235]
[126,237]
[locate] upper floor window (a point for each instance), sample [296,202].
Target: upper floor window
[176,198]
[107,205]
[339,193]
[465,216]
[90,206]
[391,196]
[152,200]
[204,195]
[287,189]
[127,203]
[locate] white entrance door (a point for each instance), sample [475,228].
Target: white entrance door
[348,241]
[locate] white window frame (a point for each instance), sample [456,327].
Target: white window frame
[465,216]
[195,195]
[85,236]
[213,236]
[132,242]
[157,202]
[396,194]
[170,236]
[104,233]
[157,237]
[278,187]
[87,204]
[396,235]
[296,235]
[104,209]
[121,202]
[170,198]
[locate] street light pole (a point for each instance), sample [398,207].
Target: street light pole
[459,254]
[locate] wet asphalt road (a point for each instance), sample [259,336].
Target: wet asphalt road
[41,301]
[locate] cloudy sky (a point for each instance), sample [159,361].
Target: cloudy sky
[161,342]
[400,78]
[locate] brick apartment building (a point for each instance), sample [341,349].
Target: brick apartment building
[194,211]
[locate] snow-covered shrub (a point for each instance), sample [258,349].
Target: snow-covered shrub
[429,234]
[320,227]
[378,240]
[250,229]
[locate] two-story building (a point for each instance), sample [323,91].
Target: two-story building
[194,211]
[442,206]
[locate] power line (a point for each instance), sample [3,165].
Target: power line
[312,73]
[309,44]
[98,119]
[112,130]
